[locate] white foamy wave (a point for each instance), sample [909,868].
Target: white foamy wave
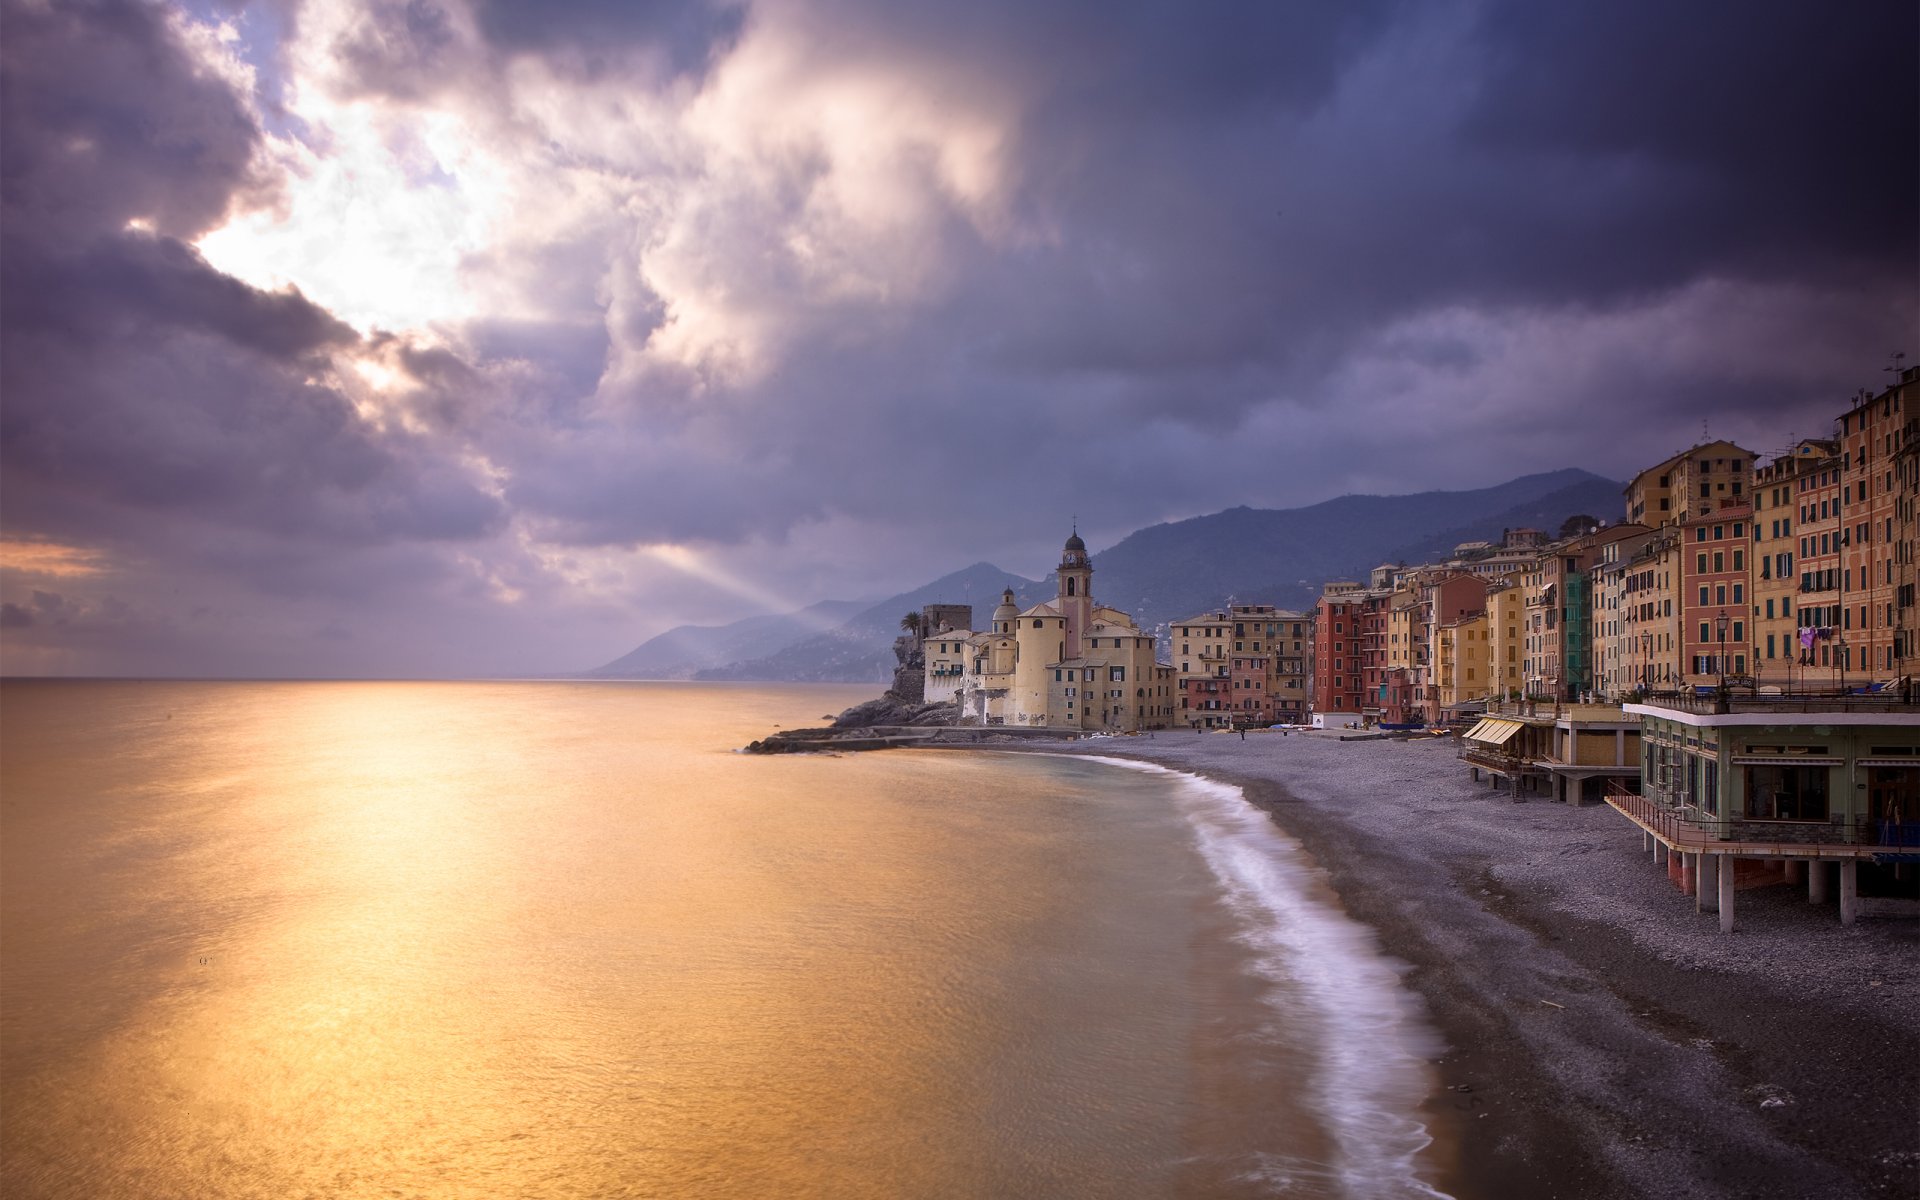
[1371,1042]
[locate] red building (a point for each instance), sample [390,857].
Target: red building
[1349,650]
[1715,607]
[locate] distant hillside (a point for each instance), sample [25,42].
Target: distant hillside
[861,650]
[1159,574]
[681,651]
[1282,556]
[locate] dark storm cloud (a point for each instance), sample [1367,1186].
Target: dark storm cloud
[140,382]
[1259,253]
[120,286]
[106,123]
[1544,154]
[689,35]
[1790,127]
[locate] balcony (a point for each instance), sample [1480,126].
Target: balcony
[1687,828]
[1785,702]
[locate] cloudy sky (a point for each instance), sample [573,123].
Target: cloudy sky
[414,337]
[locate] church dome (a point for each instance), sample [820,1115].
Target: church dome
[1075,544]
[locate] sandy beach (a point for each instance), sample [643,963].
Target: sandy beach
[1605,1039]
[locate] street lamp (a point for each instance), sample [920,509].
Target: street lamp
[1720,626]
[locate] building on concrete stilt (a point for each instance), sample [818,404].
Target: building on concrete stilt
[1764,787]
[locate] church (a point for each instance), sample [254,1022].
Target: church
[1069,664]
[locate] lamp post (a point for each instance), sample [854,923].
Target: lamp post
[1720,696]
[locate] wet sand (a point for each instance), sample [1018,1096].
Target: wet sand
[1605,1039]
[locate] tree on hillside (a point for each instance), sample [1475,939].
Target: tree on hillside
[1577,525]
[911,623]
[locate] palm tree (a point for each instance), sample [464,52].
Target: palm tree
[911,623]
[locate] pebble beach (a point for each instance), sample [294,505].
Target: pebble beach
[1604,1038]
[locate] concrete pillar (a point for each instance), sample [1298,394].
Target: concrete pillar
[1706,893]
[1674,870]
[1791,869]
[1689,873]
[1816,881]
[1659,851]
[1849,889]
[1726,896]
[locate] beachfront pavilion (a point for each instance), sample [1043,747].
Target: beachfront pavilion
[1570,752]
[1759,787]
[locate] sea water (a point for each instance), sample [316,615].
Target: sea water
[560,940]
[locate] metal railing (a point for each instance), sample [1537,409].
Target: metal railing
[1686,823]
[1786,702]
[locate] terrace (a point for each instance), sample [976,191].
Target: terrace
[1711,701]
[1686,828]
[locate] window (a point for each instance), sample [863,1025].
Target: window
[1787,793]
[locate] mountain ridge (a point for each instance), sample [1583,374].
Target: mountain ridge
[1165,572]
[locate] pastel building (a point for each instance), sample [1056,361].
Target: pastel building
[1870,437]
[1777,534]
[1244,664]
[1780,789]
[1349,638]
[1068,664]
[1462,666]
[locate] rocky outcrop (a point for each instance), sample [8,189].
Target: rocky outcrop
[910,677]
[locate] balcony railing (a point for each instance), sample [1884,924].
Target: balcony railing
[1786,702]
[1686,824]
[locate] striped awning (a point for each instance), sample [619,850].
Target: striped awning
[1493,731]
[1784,760]
[1912,764]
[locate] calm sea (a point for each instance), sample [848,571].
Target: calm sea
[558,940]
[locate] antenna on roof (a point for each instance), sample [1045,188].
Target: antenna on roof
[1893,364]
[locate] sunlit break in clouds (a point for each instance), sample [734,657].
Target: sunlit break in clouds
[472,337]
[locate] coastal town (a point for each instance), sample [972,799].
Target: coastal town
[1730,663]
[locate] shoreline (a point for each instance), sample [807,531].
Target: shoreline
[1604,1040]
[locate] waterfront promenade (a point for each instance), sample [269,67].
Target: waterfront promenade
[1605,1039]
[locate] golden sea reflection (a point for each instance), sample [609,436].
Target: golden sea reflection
[451,940]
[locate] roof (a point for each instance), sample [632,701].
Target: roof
[1041,610]
[1492,731]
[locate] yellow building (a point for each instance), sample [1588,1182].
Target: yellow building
[1506,624]
[1068,664]
[1693,483]
[1615,672]
[1462,662]
[1777,530]
[1650,614]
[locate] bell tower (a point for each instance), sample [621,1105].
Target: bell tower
[1076,591]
